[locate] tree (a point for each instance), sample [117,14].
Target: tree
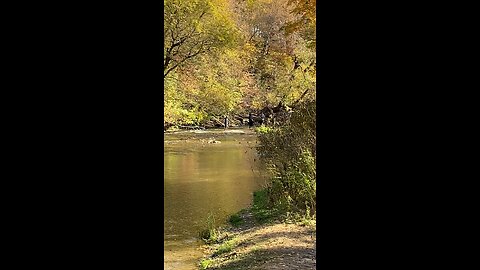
[305,11]
[280,61]
[232,56]
[192,28]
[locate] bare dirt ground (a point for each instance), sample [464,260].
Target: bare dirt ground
[272,246]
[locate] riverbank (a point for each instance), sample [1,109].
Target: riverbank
[252,245]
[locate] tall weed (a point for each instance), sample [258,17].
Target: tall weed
[289,151]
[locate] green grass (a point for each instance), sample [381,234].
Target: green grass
[263,129]
[302,219]
[226,247]
[211,233]
[235,220]
[260,198]
[261,209]
[206,263]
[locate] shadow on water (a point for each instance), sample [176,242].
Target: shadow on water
[202,177]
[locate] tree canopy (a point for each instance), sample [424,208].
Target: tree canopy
[225,57]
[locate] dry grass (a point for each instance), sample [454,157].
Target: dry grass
[269,246]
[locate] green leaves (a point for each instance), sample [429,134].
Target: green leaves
[289,153]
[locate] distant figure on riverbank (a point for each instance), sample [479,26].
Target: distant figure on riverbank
[262,117]
[226,121]
[250,120]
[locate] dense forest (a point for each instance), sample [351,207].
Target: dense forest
[239,57]
[235,57]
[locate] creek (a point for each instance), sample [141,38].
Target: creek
[205,172]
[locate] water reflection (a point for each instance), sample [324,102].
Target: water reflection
[201,178]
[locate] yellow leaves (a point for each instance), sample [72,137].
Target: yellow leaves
[306,12]
[251,4]
[254,67]
[231,53]
[249,50]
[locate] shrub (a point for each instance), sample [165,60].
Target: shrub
[289,151]
[210,233]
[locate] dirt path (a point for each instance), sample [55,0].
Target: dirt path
[274,246]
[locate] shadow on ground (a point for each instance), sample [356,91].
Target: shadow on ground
[273,258]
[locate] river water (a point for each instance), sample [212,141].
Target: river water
[202,178]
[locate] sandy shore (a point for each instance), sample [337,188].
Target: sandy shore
[272,246]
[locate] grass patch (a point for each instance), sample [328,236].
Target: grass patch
[265,212]
[260,199]
[263,129]
[307,222]
[301,219]
[261,210]
[226,247]
[211,233]
[236,220]
[206,263]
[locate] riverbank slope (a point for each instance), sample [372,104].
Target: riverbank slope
[252,245]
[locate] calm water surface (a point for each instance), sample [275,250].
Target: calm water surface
[202,178]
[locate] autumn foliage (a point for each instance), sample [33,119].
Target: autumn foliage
[234,57]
